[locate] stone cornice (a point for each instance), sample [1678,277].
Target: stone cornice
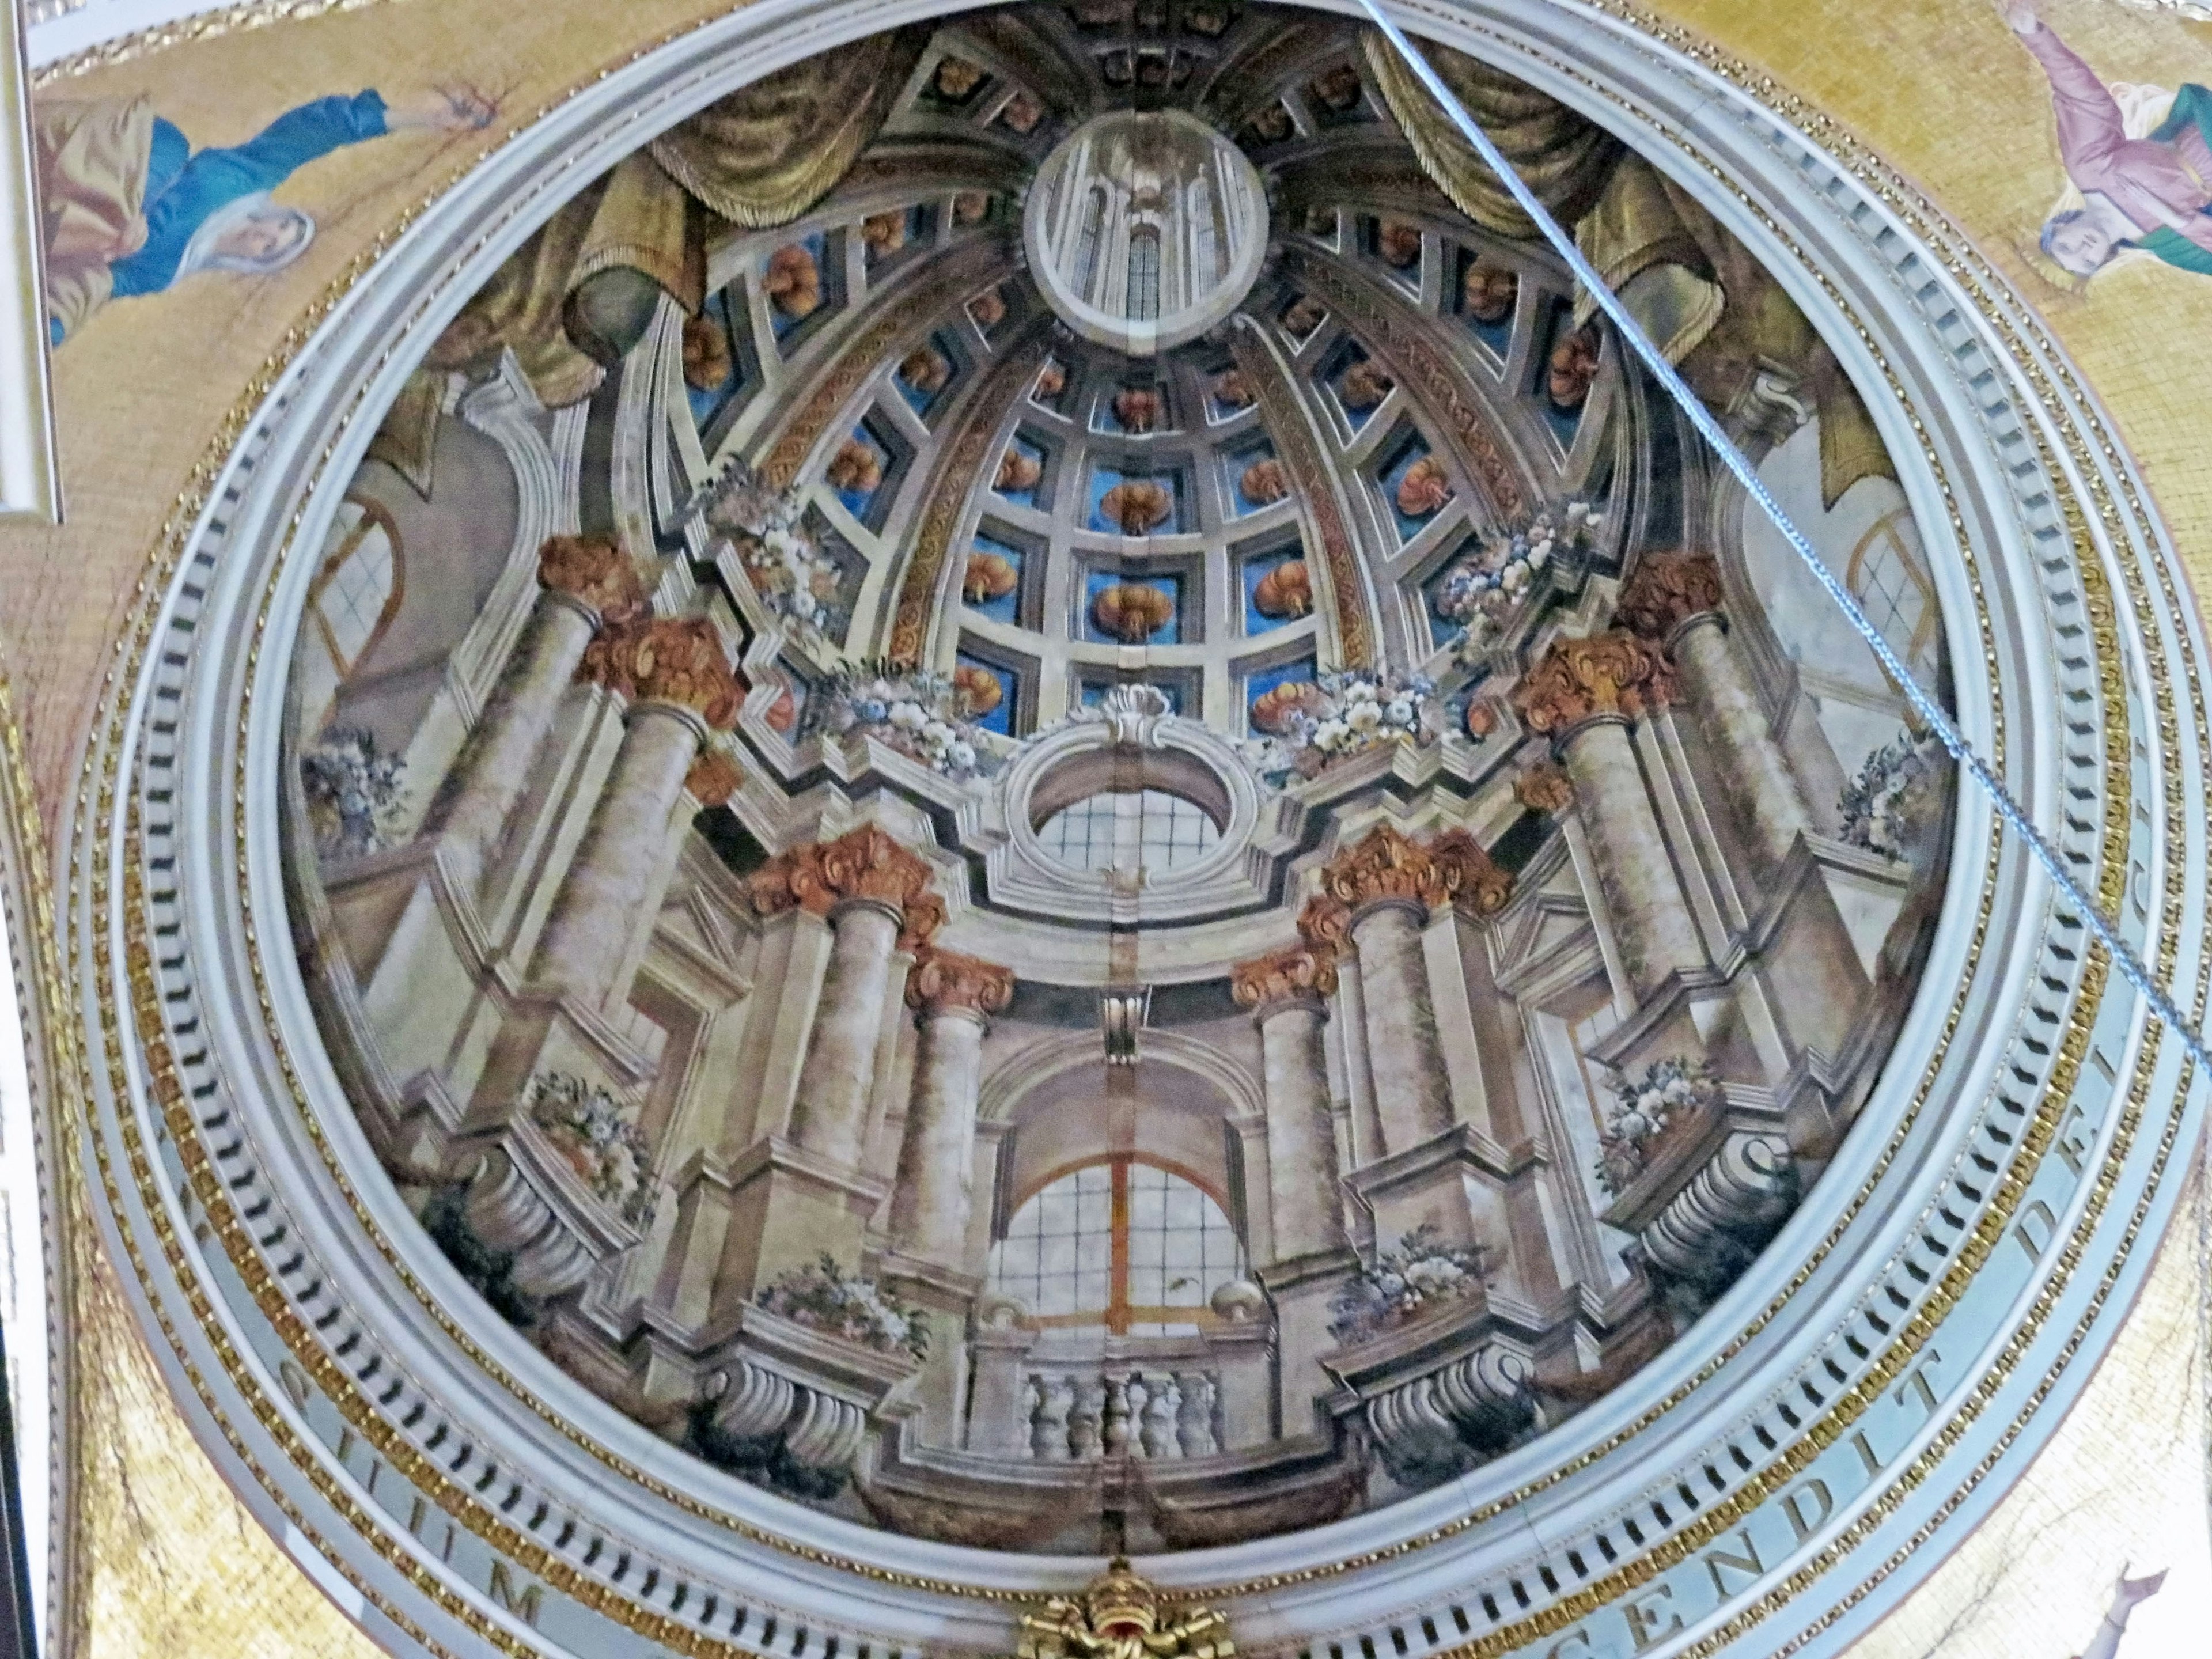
[864,865]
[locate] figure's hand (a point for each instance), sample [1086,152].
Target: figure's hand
[448,109]
[2129,1591]
[2020,16]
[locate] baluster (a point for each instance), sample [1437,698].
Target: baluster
[1049,1418]
[1195,1429]
[1083,1422]
[1116,1426]
[1162,1398]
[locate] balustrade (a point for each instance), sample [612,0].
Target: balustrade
[1078,1416]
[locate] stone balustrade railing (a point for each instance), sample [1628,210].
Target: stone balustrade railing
[1079,1416]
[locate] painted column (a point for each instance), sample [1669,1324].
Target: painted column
[583,583]
[1286,993]
[681,687]
[1584,694]
[1376,899]
[955,996]
[1674,599]
[877,898]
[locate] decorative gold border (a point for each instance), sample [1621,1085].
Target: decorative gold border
[164,557]
[184,31]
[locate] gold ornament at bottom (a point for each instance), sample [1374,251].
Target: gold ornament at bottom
[1119,1616]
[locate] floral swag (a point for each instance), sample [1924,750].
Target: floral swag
[1670,1092]
[1482,591]
[929,718]
[792,577]
[1310,726]
[1890,802]
[588,1126]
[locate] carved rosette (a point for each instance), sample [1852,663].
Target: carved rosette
[1303,973]
[713,778]
[1666,591]
[1614,673]
[944,981]
[595,572]
[1388,866]
[672,659]
[1545,788]
[863,864]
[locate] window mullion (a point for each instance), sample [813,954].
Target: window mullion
[1117,1298]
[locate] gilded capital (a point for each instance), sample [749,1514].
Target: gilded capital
[1545,788]
[595,572]
[677,659]
[1384,865]
[944,979]
[1576,680]
[1303,972]
[1470,875]
[713,778]
[863,864]
[1665,590]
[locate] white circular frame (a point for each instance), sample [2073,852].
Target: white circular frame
[313,1294]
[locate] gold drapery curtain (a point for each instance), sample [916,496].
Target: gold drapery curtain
[761,157]
[1713,310]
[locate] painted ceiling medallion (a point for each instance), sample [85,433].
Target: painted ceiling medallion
[1145,229]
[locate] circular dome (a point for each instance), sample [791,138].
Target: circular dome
[1144,228]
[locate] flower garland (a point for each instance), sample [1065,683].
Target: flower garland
[792,577]
[602,1145]
[1643,1111]
[1414,1277]
[354,793]
[924,716]
[1307,726]
[1884,808]
[1480,590]
[825,1297]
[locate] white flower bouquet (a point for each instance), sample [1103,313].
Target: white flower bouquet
[1644,1110]
[1414,1277]
[353,793]
[925,716]
[1308,726]
[825,1297]
[601,1143]
[1480,591]
[1886,806]
[790,572]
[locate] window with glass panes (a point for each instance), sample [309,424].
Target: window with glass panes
[1887,582]
[1121,1245]
[1128,831]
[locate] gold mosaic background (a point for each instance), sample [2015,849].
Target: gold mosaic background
[171,1564]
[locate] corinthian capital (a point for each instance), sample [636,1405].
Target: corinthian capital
[1477,886]
[1303,973]
[1385,864]
[713,778]
[595,572]
[677,659]
[944,979]
[863,864]
[1576,680]
[1665,590]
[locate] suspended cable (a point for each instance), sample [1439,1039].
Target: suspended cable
[1930,714]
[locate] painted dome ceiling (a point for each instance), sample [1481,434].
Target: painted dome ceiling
[1031,808]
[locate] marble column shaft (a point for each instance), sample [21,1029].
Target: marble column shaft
[471,813]
[1307,1210]
[1413,1094]
[1761,788]
[931,1206]
[1651,920]
[609,882]
[830,1116]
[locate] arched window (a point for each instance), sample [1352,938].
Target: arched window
[1130,830]
[1145,273]
[1887,580]
[358,588]
[1119,1245]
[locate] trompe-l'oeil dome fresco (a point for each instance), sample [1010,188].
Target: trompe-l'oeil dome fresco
[1031,797]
